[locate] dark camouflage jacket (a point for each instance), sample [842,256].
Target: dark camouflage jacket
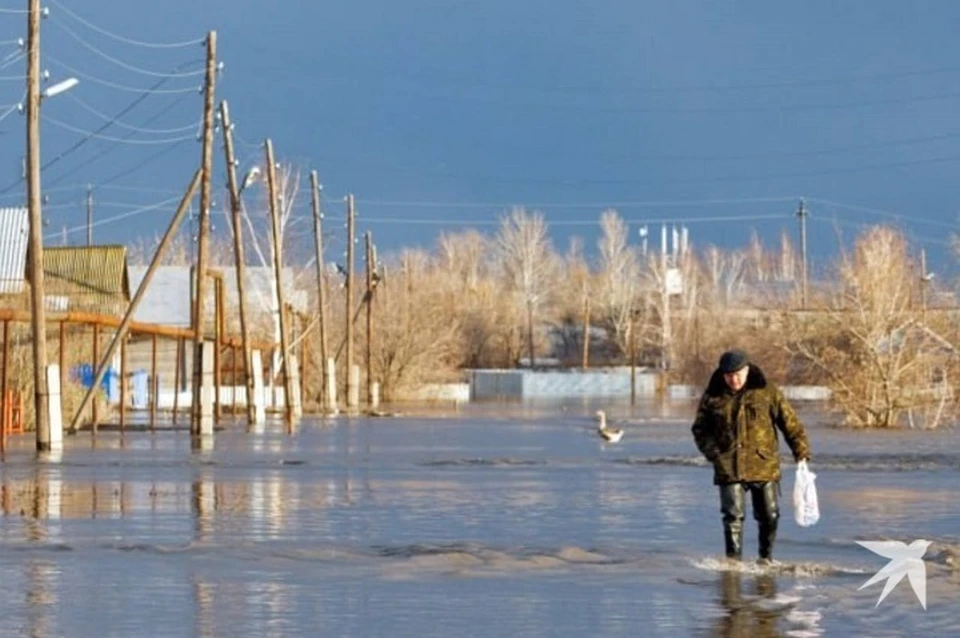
[737,432]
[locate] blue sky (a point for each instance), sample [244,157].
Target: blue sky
[441,114]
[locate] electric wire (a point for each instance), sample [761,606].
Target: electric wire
[130,127]
[125,40]
[117,86]
[112,138]
[121,63]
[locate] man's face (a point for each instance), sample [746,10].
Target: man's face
[736,380]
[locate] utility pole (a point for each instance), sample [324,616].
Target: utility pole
[203,234]
[802,218]
[924,280]
[370,267]
[349,308]
[277,269]
[585,355]
[315,190]
[35,261]
[235,209]
[89,215]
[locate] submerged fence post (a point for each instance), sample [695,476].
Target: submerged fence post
[259,409]
[206,389]
[353,388]
[294,400]
[54,406]
[330,394]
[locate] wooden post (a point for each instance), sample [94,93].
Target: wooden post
[316,190]
[35,246]
[176,379]
[95,420]
[63,354]
[633,357]
[123,380]
[154,383]
[128,318]
[586,333]
[204,233]
[236,209]
[349,306]
[278,272]
[234,409]
[370,268]
[217,338]
[4,421]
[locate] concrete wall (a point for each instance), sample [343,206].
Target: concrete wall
[558,384]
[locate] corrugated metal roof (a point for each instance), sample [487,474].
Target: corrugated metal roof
[90,276]
[14,233]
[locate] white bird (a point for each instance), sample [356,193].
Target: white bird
[612,435]
[905,560]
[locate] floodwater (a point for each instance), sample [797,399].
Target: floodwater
[490,521]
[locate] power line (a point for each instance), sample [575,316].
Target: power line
[111,138]
[123,64]
[138,129]
[126,40]
[567,204]
[109,149]
[884,213]
[116,218]
[117,86]
[564,222]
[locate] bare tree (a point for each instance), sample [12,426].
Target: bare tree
[527,262]
[619,278]
[871,346]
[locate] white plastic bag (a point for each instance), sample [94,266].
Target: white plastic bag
[806,509]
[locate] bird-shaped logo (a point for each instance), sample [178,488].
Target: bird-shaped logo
[905,560]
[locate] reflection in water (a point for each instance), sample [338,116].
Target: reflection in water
[42,578]
[749,614]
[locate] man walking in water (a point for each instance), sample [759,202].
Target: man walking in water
[736,430]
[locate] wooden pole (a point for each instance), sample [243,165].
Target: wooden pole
[204,232]
[154,383]
[128,318]
[35,247]
[236,211]
[89,215]
[316,190]
[4,421]
[233,380]
[63,356]
[586,333]
[369,336]
[349,285]
[217,339]
[123,380]
[278,272]
[176,379]
[96,358]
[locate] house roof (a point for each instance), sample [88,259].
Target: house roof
[14,234]
[88,272]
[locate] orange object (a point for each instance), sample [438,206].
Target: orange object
[13,412]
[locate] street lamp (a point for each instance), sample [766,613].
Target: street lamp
[59,87]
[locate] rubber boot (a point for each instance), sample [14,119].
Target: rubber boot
[731,506]
[766,509]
